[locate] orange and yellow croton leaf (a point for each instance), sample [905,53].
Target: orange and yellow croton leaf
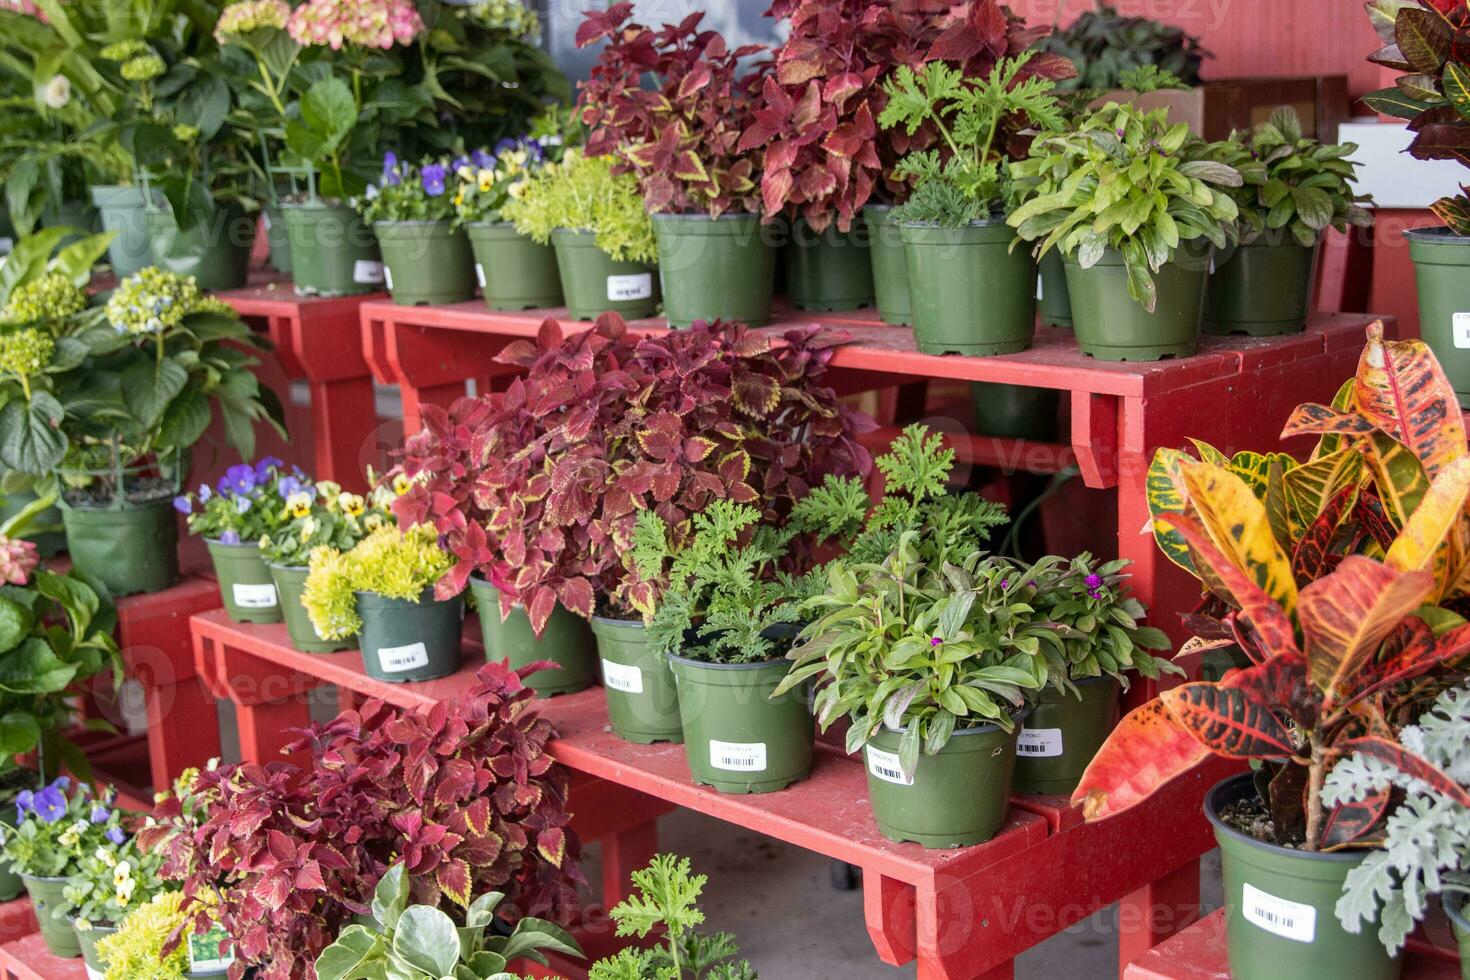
[1145,751]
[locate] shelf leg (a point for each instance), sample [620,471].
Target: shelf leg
[344,418]
[623,853]
[1156,911]
[183,727]
[888,909]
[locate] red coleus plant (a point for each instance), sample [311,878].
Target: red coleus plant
[681,137]
[538,487]
[824,154]
[463,793]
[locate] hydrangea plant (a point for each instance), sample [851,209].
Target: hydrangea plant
[397,564]
[248,503]
[321,515]
[58,826]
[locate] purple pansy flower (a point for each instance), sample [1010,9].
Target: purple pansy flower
[99,814]
[504,145]
[459,162]
[265,466]
[230,537]
[536,150]
[23,801]
[49,804]
[288,486]
[238,479]
[205,493]
[182,505]
[482,160]
[432,178]
[116,835]
[391,177]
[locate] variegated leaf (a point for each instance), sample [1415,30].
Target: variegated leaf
[1402,389]
[1429,538]
[1236,722]
[1239,528]
[1345,616]
[1145,751]
[1311,486]
[1165,496]
[1398,476]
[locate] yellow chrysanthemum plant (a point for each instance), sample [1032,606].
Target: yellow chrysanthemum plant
[390,562]
[136,949]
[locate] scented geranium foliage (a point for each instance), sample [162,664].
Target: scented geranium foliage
[539,487]
[463,794]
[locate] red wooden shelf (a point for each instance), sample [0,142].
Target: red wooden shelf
[29,959]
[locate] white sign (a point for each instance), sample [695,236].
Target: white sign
[395,660]
[368,272]
[1285,918]
[1039,743]
[1460,325]
[204,954]
[886,767]
[388,276]
[738,756]
[623,288]
[622,677]
[255,596]
[480,274]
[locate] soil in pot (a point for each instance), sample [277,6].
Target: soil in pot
[133,548]
[87,940]
[890,265]
[1263,289]
[46,901]
[1279,902]
[290,585]
[333,251]
[1062,734]
[714,268]
[410,641]
[642,701]
[214,248]
[514,272]
[245,582]
[426,263]
[830,269]
[956,797]
[566,641]
[1052,298]
[121,208]
[1112,327]
[971,293]
[738,740]
[1442,270]
[593,283]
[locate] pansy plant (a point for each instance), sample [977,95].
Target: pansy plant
[411,192]
[486,182]
[110,882]
[323,515]
[248,503]
[57,826]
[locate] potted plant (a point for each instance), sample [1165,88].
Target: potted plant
[1420,41]
[1105,46]
[136,947]
[971,292]
[319,515]
[249,503]
[108,884]
[383,591]
[681,139]
[411,210]
[514,271]
[602,236]
[1294,190]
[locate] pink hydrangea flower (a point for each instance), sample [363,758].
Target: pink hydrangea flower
[17,560]
[366,23]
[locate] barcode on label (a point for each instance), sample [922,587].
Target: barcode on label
[1280,916]
[885,766]
[395,660]
[622,677]
[254,596]
[1039,743]
[738,756]
[388,277]
[480,274]
[623,288]
[1460,324]
[369,272]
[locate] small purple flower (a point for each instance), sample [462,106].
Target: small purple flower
[391,177]
[265,466]
[61,783]
[935,641]
[230,537]
[432,178]
[1005,583]
[49,804]
[238,479]
[23,802]
[505,145]
[116,835]
[1121,133]
[1094,581]
[482,160]
[205,493]
[99,814]
[459,162]
[288,486]
[182,504]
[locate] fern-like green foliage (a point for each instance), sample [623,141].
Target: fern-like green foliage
[1149,78]
[969,179]
[583,194]
[667,893]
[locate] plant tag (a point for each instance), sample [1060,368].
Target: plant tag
[623,288]
[622,677]
[1283,917]
[395,660]
[369,272]
[1040,289]
[1039,743]
[387,276]
[254,596]
[204,954]
[885,766]
[265,220]
[480,274]
[1460,324]
[738,756]
[95,975]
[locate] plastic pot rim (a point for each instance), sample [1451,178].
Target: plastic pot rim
[690,217]
[416,223]
[615,622]
[703,663]
[935,225]
[1226,791]
[1436,235]
[288,568]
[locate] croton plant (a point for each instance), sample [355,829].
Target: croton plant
[1344,580]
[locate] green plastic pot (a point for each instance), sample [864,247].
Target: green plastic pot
[245,582]
[1263,289]
[290,582]
[828,270]
[410,641]
[1458,910]
[972,294]
[714,269]
[1110,326]
[87,940]
[514,272]
[333,251]
[1280,919]
[1062,734]
[48,542]
[426,263]
[122,211]
[642,701]
[1015,411]
[276,238]
[890,265]
[957,797]
[594,284]
[80,215]
[739,740]
[214,249]
[567,641]
[1442,269]
[132,549]
[47,901]
[1052,299]
[11,884]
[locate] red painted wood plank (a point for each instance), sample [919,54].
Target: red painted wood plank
[17,919]
[29,959]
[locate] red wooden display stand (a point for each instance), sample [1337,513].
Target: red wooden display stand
[28,958]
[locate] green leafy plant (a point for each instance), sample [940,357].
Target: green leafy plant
[584,194]
[136,949]
[1104,45]
[667,893]
[322,142]
[321,515]
[410,192]
[110,882]
[1291,185]
[970,180]
[1121,180]
[488,183]
[247,504]
[58,826]
[421,942]
[1149,78]
[388,562]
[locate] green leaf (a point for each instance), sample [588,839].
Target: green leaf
[148,388]
[34,668]
[15,623]
[31,439]
[1456,82]
[329,109]
[1392,101]
[390,898]
[1314,206]
[351,957]
[427,940]
[19,733]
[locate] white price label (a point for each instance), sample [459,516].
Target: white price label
[480,274]
[1040,289]
[738,756]
[204,954]
[395,660]
[886,767]
[265,220]
[622,677]
[1460,325]
[1283,917]
[1039,743]
[388,277]
[95,974]
[254,596]
[369,272]
[622,288]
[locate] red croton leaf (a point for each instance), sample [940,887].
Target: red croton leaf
[1237,722]
[1146,750]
